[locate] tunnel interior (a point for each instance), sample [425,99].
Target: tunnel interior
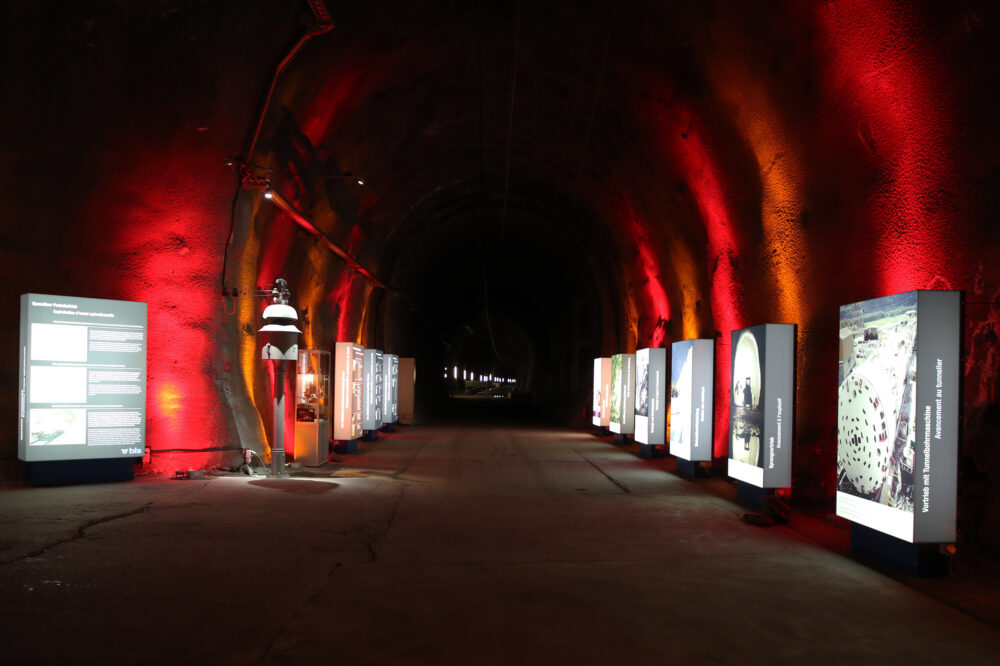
[543,184]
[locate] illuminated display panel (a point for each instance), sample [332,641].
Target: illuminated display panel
[602,391]
[761,405]
[390,388]
[691,398]
[348,374]
[407,389]
[897,414]
[82,378]
[373,391]
[622,403]
[651,396]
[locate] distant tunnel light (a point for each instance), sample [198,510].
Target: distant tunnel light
[454,372]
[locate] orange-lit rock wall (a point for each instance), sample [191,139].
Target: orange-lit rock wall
[720,165]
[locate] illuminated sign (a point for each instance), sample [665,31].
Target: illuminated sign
[82,378]
[691,399]
[622,404]
[372,407]
[602,391]
[651,396]
[348,374]
[897,414]
[761,405]
[390,388]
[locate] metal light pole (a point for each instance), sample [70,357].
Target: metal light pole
[281,346]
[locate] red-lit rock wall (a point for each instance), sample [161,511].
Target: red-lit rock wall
[725,164]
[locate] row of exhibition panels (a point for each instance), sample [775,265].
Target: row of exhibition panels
[370,389]
[897,410]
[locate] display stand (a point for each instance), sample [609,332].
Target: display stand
[620,439]
[649,451]
[750,495]
[370,436]
[312,407]
[346,446]
[601,431]
[389,427]
[73,472]
[913,559]
[691,469]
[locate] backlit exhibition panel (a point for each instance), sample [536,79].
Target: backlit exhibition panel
[761,405]
[82,378]
[407,389]
[692,382]
[348,377]
[372,406]
[390,388]
[651,396]
[897,414]
[622,404]
[602,391]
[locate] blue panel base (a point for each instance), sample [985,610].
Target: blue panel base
[71,472]
[620,439]
[388,427]
[913,559]
[750,495]
[691,469]
[601,431]
[369,436]
[346,446]
[649,451]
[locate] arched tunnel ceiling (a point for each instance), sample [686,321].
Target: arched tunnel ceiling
[697,155]
[690,167]
[522,103]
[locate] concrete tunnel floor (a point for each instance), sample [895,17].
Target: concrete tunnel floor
[453,544]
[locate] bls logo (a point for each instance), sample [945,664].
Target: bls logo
[132,451]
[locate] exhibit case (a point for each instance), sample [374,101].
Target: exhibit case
[622,407]
[390,388]
[82,379]
[602,392]
[348,377]
[897,414]
[692,382]
[312,407]
[373,401]
[761,405]
[651,396]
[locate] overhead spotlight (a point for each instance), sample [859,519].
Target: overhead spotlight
[361,181]
[268,194]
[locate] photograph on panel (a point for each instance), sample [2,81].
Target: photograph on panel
[748,413]
[875,411]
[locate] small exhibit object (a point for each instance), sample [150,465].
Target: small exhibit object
[312,407]
[761,405]
[692,383]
